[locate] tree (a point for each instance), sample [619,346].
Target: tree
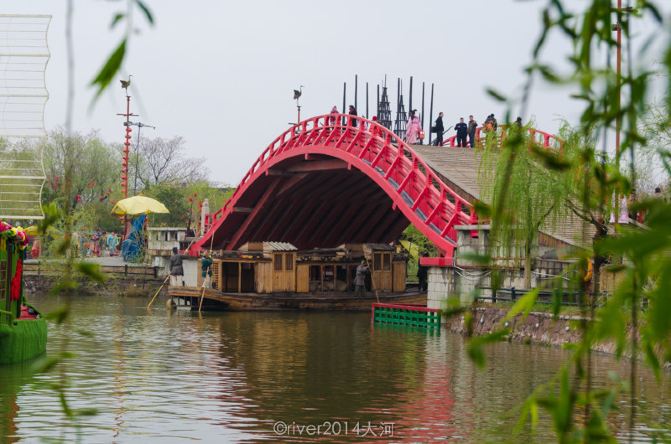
[95,174]
[162,160]
[612,101]
[183,201]
[527,196]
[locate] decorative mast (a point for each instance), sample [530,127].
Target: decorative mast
[127,140]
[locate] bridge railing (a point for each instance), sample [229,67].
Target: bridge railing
[541,138]
[383,150]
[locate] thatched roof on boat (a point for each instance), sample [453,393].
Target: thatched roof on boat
[267,247]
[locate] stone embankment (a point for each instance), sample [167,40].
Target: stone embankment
[114,285]
[537,328]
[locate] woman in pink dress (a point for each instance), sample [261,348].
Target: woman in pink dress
[333,117]
[413,129]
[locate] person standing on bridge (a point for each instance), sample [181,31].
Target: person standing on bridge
[472,127]
[352,112]
[333,117]
[462,130]
[374,129]
[489,124]
[414,128]
[439,129]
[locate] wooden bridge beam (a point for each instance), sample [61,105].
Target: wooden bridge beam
[252,215]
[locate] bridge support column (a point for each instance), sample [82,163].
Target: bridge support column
[441,285]
[455,284]
[448,286]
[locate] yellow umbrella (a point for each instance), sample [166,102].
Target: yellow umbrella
[135,205]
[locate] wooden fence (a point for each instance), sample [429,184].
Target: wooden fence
[113,271]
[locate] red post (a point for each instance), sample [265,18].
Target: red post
[125,155]
[126,151]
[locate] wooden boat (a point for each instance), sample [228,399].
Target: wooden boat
[217,300]
[23,334]
[276,276]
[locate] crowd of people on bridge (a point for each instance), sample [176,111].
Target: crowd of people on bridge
[466,132]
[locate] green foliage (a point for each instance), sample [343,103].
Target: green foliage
[65,160]
[528,185]
[421,243]
[109,69]
[114,61]
[523,305]
[183,202]
[524,195]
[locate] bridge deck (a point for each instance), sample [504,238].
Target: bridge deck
[458,168]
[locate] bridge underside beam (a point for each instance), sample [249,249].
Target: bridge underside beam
[324,204]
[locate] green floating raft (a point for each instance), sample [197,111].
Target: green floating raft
[23,335]
[24,340]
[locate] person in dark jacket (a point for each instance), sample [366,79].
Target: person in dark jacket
[462,130]
[352,112]
[176,269]
[439,129]
[472,126]
[422,273]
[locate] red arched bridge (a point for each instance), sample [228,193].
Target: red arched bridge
[337,179]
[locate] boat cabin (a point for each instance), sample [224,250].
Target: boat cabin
[278,267]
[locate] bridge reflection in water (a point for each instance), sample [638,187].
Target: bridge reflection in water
[229,377]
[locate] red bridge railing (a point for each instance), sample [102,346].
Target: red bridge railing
[541,138]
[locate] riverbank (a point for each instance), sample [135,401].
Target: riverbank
[116,284]
[538,327]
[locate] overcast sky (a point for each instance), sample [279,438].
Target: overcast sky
[221,73]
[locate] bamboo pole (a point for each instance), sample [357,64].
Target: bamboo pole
[202,296]
[431,114]
[410,98]
[158,291]
[202,293]
[344,98]
[421,142]
[356,92]
[367,115]
[372,281]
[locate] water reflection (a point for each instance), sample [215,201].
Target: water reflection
[229,377]
[12,379]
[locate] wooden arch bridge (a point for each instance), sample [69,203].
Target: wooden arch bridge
[335,179]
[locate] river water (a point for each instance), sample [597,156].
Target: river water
[247,377]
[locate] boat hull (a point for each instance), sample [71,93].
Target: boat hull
[213,299]
[24,339]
